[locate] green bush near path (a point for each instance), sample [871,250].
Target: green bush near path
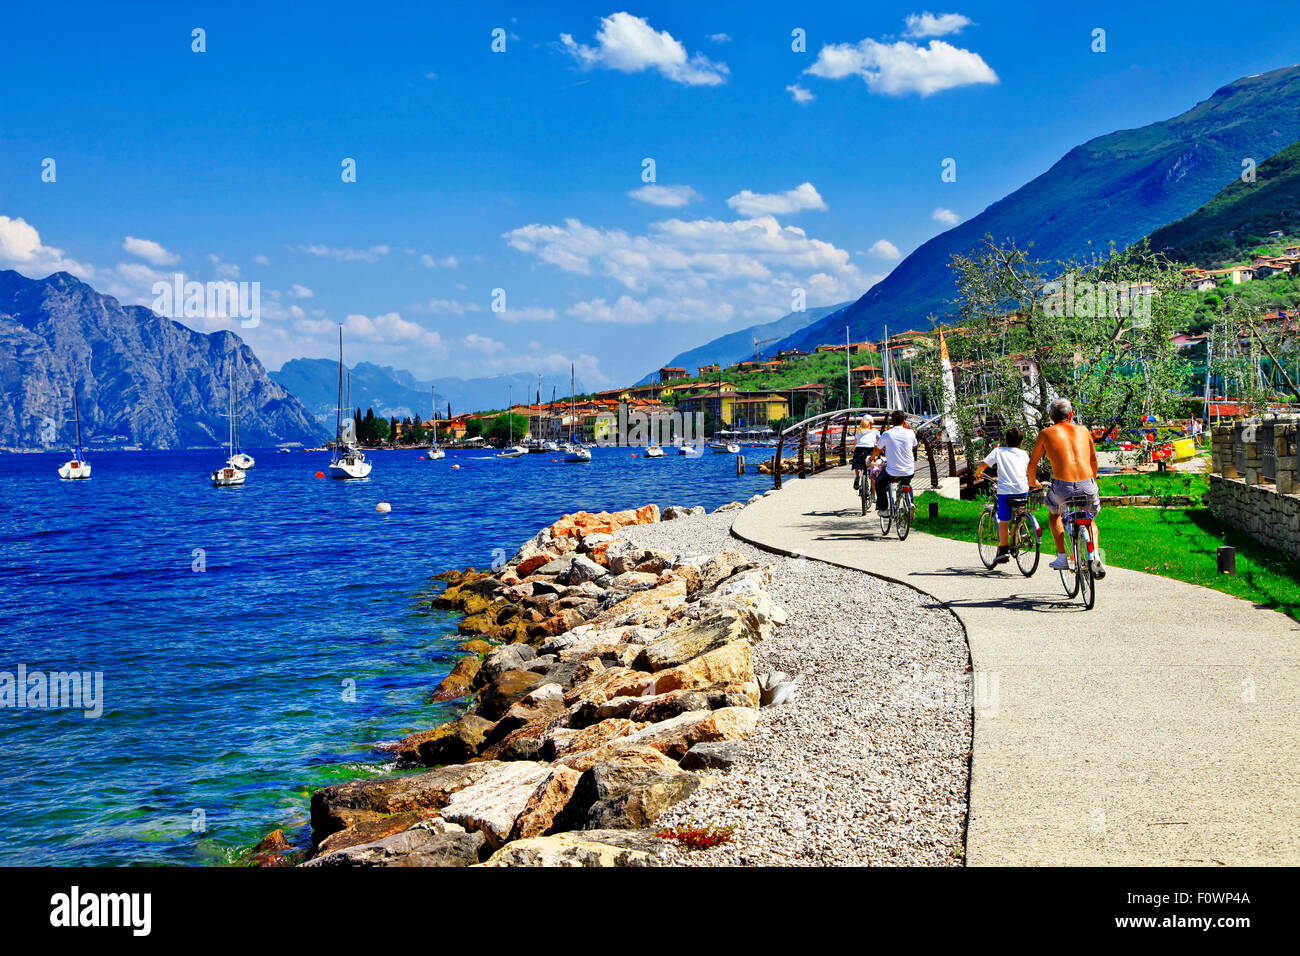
[1154,483]
[1179,543]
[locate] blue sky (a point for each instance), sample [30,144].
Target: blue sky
[523,170]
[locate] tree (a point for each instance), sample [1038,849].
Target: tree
[1097,331]
[506,426]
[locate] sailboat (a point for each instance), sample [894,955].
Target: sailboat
[534,442]
[348,460]
[653,451]
[721,447]
[230,475]
[574,453]
[512,450]
[78,468]
[239,459]
[435,453]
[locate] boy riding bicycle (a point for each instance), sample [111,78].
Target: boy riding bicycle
[1012,464]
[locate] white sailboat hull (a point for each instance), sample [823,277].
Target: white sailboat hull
[74,470]
[654,451]
[514,452]
[350,468]
[731,448]
[228,476]
[241,461]
[434,454]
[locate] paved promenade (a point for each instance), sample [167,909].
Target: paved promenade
[1161,727]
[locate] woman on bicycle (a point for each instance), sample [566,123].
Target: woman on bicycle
[1012,463]
[864,443]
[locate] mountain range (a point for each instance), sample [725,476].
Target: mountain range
[1239,217]
[1115,188]
[397,393]
[140,379]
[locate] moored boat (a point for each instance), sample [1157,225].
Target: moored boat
[77,468]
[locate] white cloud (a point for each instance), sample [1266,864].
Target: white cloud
[449,307]
[672,197]
[433,262]
[150,251]
[300,291]
[528,313]
[946,216]
[884,249]
[224,270]
[630,45]
[389,328]
[799,93]
[802,197]
[430,75]
[705,270]
[899,68]
[935,24]
[21,249]
[483,344]
[261,260]
[346,253]
[719,38]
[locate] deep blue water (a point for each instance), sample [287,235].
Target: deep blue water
[224,688]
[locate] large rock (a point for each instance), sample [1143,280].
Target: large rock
[730,664]
[507,657]
[348,804]
[453,742]
[690,639]
[589,738]
[550,797]
[648,608]
[621,792]
[676,736]
[508,687]
[634,581]
[581,569]
[713,755]
[414,847]
[373,830]
[720,566]
[650,760]
[492,803]
[460,682]
[588,848]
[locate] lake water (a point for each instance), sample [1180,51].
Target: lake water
[255,642]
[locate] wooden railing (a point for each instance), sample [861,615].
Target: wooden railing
[925,427]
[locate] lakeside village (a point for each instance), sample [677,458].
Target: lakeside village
[749,403]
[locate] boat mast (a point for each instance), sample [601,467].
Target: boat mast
[338,408]
[434,392]
[76,414]
[573,402]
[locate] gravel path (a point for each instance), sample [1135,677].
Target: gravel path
[869,763]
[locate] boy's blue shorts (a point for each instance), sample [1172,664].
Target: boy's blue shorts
[1004,506]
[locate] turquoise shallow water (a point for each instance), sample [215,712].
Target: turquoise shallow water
[226,690]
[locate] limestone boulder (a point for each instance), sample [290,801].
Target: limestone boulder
[453,742]
[506,688]
[548,799]
[460,682]
[373,830]
[691,639]
[713,755]
[355,802]
[587,848]
[720,566]
[581,569]
[674,737]
[493,802]
[414,847]
[730,664]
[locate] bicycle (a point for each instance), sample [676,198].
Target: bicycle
[867,491]
[1080,579]
[901,510]
[1024,535]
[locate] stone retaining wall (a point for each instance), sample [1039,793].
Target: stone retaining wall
[1268,511]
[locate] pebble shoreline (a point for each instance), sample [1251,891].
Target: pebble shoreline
[869,763]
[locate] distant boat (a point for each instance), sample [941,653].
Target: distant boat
[551,446]
[512,450]
[654,451]
[348,460]
[435,453]
[239,459]
[724,448]
[229,475]
[574,452]
[77,468]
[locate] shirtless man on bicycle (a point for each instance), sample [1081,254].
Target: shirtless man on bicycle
[1070,449]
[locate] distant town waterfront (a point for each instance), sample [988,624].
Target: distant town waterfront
[253,642]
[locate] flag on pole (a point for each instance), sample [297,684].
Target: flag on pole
[949,391]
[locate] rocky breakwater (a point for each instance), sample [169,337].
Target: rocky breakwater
[599,673]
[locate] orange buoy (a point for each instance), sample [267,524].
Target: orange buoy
[455,466]
[320,474]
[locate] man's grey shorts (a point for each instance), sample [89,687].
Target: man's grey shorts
[1060,490]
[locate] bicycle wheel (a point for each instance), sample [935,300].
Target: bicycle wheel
[1069,576]
[864,490]
[1087,584]
[1024,540]
[986,538]
[886,516]
[903,520]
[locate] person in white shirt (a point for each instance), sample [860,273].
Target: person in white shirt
[898,445]
[863,444]
[1012,463]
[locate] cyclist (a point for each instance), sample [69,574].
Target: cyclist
[898,445]
[1070,449]
[1012,463]
[863,444]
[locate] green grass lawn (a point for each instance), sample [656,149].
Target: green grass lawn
[1175,543]
[1154,483]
